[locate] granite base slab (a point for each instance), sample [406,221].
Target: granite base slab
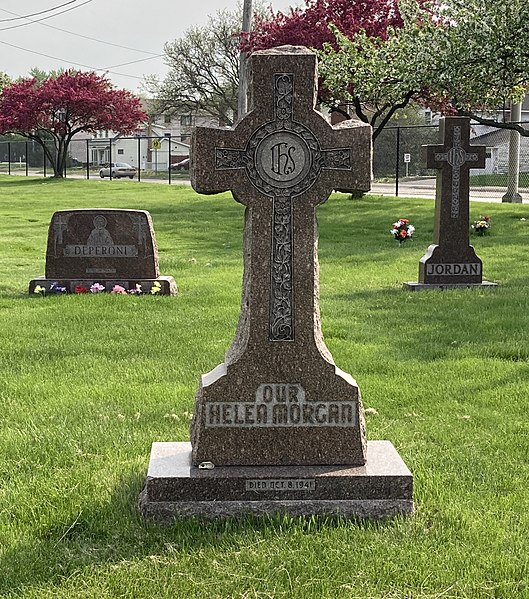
[427,286]
[383,487]
[167,284]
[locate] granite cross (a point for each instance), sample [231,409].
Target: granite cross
[454,158]
[281,160]
[451,259]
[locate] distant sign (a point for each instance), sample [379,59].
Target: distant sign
[156,144]
[407,157]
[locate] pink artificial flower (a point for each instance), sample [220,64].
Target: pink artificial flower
[118,289]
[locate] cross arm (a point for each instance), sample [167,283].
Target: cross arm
[347,157]
[429,153]
[215,160]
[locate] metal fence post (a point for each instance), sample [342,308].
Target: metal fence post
[109,159]
[139,158]
[88,159]
[397,163]
[169,158]
[44,156]
[8,157]
[27,159]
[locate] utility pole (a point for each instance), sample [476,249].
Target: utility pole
[242,103]
[512,196]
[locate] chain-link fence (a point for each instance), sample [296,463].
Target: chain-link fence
[151,158]
[398,160]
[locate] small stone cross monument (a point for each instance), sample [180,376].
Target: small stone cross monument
[277,426]
[451,261]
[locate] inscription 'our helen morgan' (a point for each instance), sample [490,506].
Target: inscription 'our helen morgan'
[280,405]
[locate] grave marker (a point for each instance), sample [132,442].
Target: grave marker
[106,246]
[281,424]
[451,261]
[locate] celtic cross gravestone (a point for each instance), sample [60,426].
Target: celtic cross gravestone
[278,398]
[277,426]
[451,261]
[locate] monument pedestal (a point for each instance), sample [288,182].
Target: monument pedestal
[278,427]
[167,284]
[426,286]
[383,487]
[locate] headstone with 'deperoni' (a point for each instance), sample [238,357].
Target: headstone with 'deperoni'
[105,246]
[451,262]
[277,426]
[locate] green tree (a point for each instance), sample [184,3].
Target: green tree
[469,58]
[377,76]
[203,70]
[481,58]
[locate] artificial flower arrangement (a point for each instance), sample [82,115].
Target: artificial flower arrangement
[402,230]
[56,289]
[482,225]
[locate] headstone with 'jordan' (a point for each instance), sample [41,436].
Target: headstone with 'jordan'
[451,262]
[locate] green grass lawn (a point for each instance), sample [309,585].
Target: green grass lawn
[88,382]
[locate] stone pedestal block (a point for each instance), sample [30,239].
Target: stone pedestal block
[383,487]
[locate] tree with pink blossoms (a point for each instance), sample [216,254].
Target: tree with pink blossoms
[364,39]
[309,26]
[54,110]
[466,57]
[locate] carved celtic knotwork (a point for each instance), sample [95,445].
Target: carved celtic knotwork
[282,160]
[337,159]
[456,157]
[283,95]
[226,158]
[281,304]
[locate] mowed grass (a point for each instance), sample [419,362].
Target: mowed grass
[88,382]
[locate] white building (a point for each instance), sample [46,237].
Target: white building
[162,141]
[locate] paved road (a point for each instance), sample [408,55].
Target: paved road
[425,188]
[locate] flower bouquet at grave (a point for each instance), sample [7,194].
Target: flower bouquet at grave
[402,230]
[482,225]
[54,289]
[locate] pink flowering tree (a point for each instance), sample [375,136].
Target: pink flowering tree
[63,105]
[365,50]
[309,26]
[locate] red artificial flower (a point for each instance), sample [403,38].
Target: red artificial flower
[81,289]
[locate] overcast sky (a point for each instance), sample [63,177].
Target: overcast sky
[142,26]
